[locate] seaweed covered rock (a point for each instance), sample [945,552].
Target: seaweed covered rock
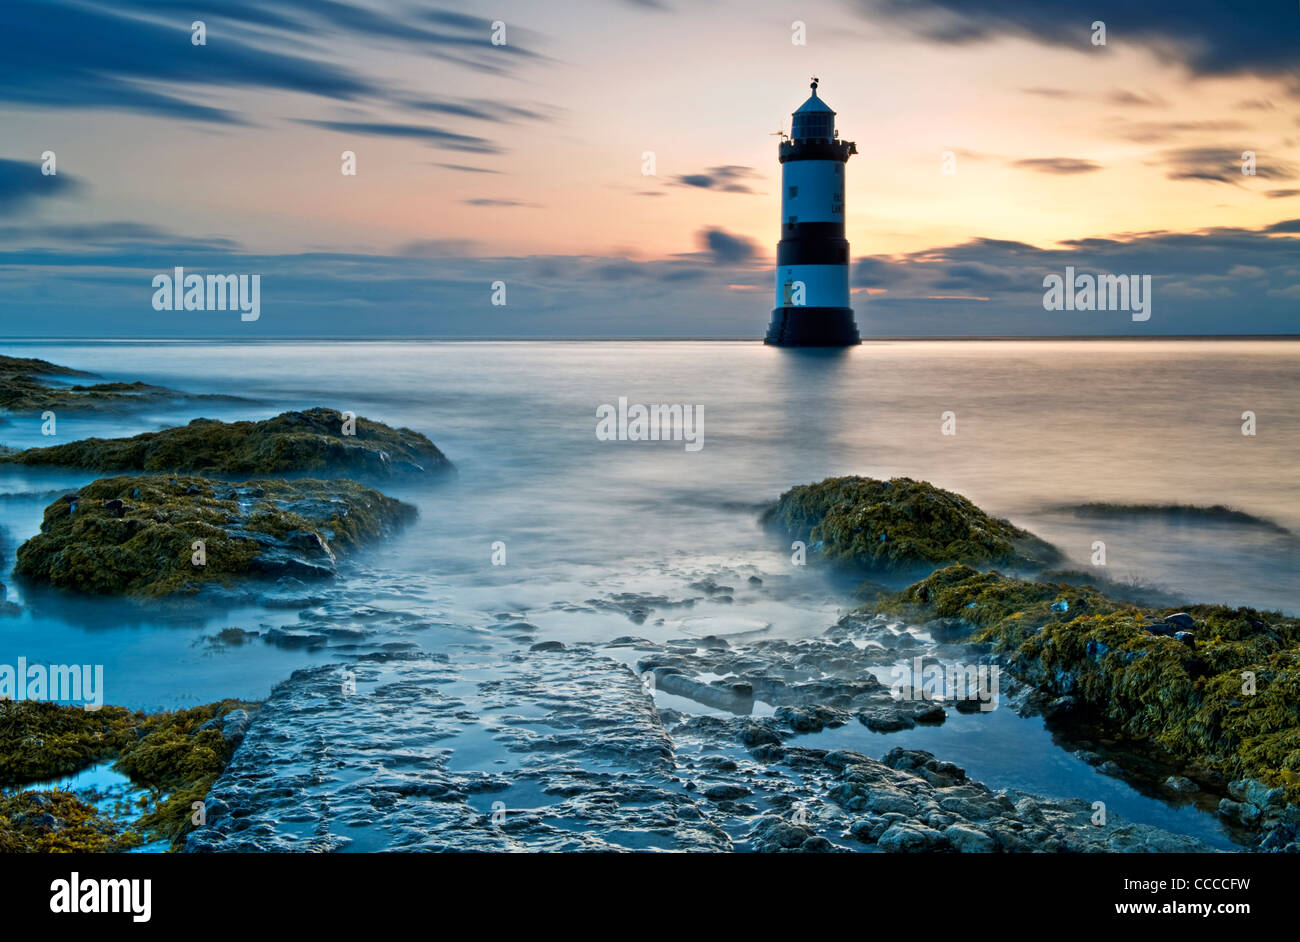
[178,756]
[1214,687]
[309,441]
[44,741]
[24,393]
[55,821]
[901,524]
[155,535]
[29,385]
[174,756]
[31,366]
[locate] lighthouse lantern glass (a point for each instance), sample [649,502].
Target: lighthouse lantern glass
[813,126]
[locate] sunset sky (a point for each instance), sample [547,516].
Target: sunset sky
[523,163]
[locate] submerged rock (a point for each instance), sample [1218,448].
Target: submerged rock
[309,441]
[901,524]
[564,751]
[157,535]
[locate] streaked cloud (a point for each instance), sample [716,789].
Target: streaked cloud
[1062,165]
[1209,37]
[726,179]
[448,140]
[22,185]
[1222,165]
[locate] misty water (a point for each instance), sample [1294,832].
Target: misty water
[1040,427]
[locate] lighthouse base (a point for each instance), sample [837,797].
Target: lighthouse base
[812,327]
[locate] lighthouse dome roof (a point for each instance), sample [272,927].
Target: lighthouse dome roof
[814,105]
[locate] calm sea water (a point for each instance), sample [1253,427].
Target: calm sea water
[1038,425]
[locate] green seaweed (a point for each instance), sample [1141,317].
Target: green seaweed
[55,821]
[136,535]
[307,441]
[24,393]
[178,761]
[901,524]
[1189,701]
[44,741]
[175,755]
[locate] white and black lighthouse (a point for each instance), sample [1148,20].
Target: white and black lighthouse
[812,258]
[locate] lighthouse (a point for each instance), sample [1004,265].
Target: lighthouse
[812,258]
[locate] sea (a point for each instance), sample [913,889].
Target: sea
[546,515]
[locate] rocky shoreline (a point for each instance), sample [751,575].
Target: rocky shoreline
[532,744]
[309,778]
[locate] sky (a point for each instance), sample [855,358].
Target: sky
[613,163]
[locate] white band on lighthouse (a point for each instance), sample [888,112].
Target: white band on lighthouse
[812,191]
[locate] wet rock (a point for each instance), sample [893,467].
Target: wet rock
[884,720]
[1180,620]
[295,638]
[968,705]
[1240,811]
[900,524]
[1255,792]
[234,726]
[548,646]
[929,714]
[587,764]
[710,587]
[811,719]
[153,528]
[308,441]
[1283,839]
[969,840]
[758,733]
[1059,707]
[775,835]
[726,792]
[1180,784]
[28,385]
[911,839]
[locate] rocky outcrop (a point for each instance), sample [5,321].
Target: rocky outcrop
[1213,687]
[31,385]
[901,525]
[312,441]
[157,535]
